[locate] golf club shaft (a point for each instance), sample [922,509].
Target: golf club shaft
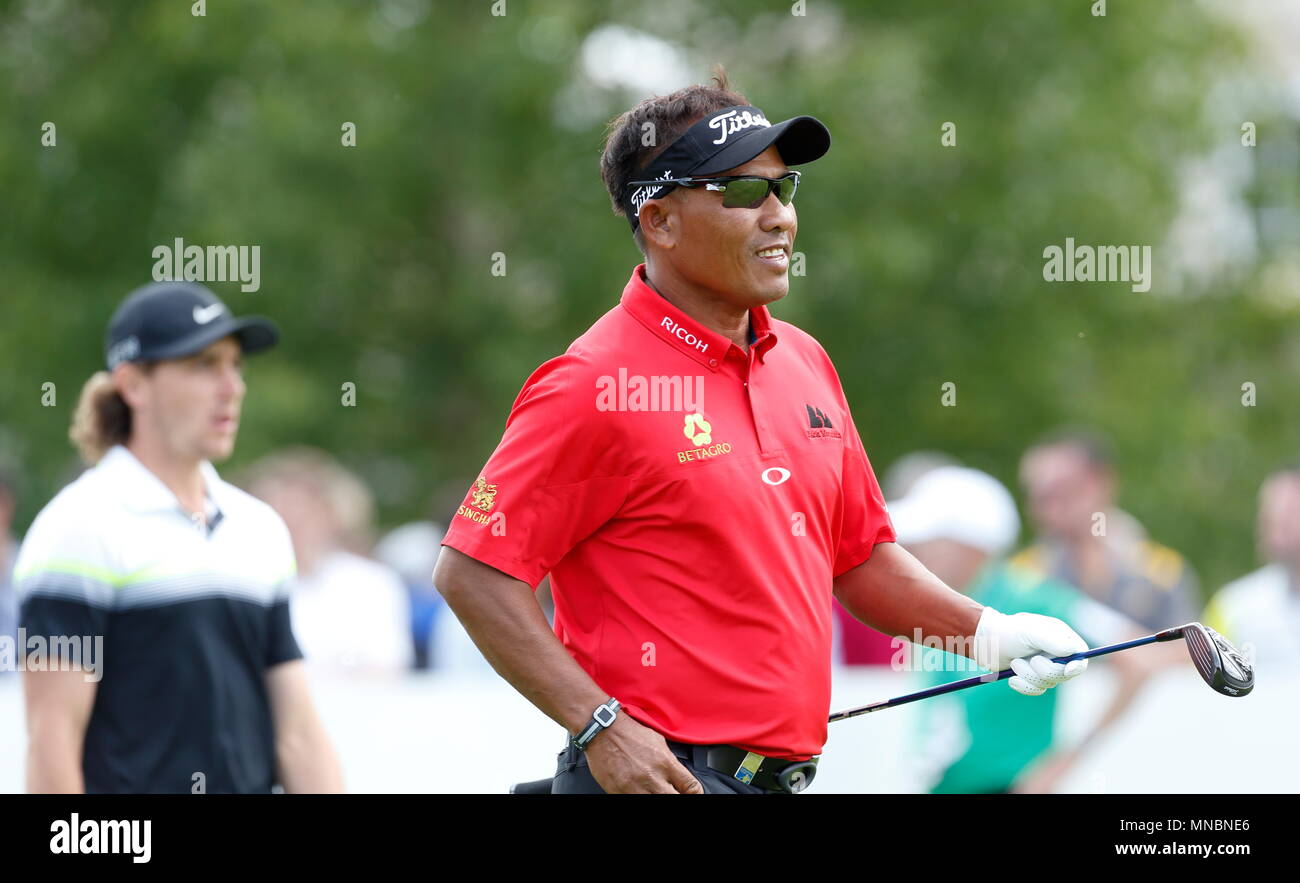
[1166,635]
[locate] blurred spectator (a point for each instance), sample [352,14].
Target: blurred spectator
[857,643]
[8,554]
[908,469]
[959,522]
[349,613]
[1084,540]
[412,551]
[1260,612]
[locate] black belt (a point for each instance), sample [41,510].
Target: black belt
[767,773]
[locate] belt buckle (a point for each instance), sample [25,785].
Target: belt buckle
[797,776]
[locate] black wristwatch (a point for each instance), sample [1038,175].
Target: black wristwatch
[602,717]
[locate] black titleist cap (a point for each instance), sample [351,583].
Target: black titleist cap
[172,320]
[723,140]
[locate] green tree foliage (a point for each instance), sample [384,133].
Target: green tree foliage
[479,134]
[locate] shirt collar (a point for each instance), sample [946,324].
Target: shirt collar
[685,334]
[142,491]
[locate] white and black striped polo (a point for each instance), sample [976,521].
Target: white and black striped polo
[191,615]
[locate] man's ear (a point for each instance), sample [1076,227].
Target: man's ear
[659,223]
[129,380]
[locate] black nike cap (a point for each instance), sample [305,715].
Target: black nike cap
[172,320]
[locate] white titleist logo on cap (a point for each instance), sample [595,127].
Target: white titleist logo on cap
[643,194]
[733,121]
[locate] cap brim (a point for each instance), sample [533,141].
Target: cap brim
[799,140]
[255,333]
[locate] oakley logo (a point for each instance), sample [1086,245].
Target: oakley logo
[775,476]
[733,121]
[204,315]
[682,334]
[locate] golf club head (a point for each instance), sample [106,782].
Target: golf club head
[1219,663]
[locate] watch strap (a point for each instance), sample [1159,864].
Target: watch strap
[604,716]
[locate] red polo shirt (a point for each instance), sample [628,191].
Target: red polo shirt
[692,502]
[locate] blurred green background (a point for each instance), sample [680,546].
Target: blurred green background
[481,133]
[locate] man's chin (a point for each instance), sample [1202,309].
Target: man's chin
[219,449]
[772,290]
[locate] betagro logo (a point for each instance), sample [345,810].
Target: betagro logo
[700,432]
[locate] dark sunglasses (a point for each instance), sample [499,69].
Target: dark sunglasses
[738,191]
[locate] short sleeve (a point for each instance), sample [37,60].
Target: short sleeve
[281,646]
[553,480]
[65,577]
[865,521]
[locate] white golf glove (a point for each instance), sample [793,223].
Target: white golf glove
[1027,643]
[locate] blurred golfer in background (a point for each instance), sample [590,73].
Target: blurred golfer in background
[200,686]
[1085,540]
[1260,612]
[960,523]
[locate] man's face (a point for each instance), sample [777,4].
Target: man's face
[1279,518]
[716,248]
[1063,490]
[193,404]
[308,515]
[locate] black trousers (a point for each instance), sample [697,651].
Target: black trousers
[572,776]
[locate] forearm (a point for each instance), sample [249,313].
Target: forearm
[894,593]
[54,764]
[306,762]
[505,622]
[58,707]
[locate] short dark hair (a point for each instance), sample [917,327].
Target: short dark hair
[667,116]
[1095,447]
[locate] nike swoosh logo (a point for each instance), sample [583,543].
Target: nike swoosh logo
[204,315]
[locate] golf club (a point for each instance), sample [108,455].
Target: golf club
[1219,664]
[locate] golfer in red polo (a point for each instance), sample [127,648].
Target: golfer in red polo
[689,474]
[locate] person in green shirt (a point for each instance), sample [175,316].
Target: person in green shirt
[960,523]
